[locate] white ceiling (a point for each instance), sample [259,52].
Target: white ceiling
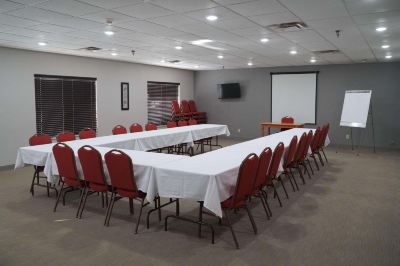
[154,27]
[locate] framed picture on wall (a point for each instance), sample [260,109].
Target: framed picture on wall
[124,96]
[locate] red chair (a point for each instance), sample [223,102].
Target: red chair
[135,127]
[259,181]
[243,189]
[65,160]
[119,130]
[123,183]
[287,120]
[65,136]
[182,123]
[39,139]
[307,149]
[273,170]
[177,114]
[150,126]
[298,159]
[315,146]
[324,135]
[171,124]
[87,133]
[288,161]
[186,109]
[200,116]
[192,122]
[92,168]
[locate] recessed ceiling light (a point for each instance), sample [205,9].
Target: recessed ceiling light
[178,47]
[293,52]
[162,61]
[380,29]
[42,43]
[385,46]
[114,54]
[249,63]
[201,42]
[196,66]
[264,40]
[220,56]
[211,18]
[109,32]
[313,60]
[388,56]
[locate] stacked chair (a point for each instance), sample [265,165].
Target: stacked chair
[187,110]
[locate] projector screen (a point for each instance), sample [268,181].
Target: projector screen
[295,95]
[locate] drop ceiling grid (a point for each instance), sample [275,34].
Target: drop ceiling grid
[43,20]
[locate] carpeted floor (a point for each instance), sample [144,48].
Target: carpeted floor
[347,214]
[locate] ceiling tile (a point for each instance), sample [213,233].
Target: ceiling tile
[112,3]
[231,2]
[7,5]
[258,7]
[364,7]
[29,2]
[144,11]
[221,12]
[38,14]
[15,21]
[79,23]
[50,28]
[107,14]
[237,23]
[70,7]
[316,9]
[378,18]
[149,27]
[184,5]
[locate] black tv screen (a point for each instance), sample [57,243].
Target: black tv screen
[228,91]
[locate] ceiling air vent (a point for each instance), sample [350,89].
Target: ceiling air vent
[91,48]
[327,52]
[288,26]
[174,61]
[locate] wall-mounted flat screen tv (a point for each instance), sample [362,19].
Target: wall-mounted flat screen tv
[229,91]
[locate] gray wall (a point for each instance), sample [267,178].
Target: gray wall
[255,105]
[17,101]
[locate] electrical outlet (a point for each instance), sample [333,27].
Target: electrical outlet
[238,130]
[347,136]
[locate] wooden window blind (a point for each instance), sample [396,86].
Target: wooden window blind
[159,98]
[64,104]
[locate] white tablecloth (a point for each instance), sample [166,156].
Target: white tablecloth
[211,177]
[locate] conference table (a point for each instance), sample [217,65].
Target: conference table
[209,177]
[269,125]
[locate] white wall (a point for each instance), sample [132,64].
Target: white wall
[17,100]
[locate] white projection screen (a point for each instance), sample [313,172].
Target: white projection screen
[295,95]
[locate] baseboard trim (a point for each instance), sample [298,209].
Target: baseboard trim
[6,167]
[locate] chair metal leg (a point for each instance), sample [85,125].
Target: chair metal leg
[264,193]
[83,203]
[230,227]
[108,208]
[131,206]
[306,169]
[301,174]
[292,175]
[200,218]
[260,194]
[309,164]
[320,158]
[176,208]
[315,160]
[290,179]
[323,152]
[33,183]
[251,219]
[59,196]
[276,194]
[48,188]
[140,214]
[111,209]
[283,186]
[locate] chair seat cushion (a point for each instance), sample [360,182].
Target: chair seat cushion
[229,204]
[130,194]
[98,187]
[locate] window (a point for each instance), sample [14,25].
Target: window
[159,98]
[64,104]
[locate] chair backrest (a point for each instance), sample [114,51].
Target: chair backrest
[276,160]
[39,139]
[65,159]
[185,106]
[263,165]
[120,170]
[135,127]
[192,106]
[87,133]
[92,165]
[308,144]
[324,135]
[287,119]
[247,174]
[192,122]
[290,152]
[65,136]
[182,123]
[150,126]
[175,107]
[299,155]
[171,124]
[118,129]
[316,138]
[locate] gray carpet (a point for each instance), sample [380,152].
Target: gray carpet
[347,214]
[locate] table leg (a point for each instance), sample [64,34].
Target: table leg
[269,131]
[262,131]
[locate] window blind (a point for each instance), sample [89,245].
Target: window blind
[64,104]
[159,98]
